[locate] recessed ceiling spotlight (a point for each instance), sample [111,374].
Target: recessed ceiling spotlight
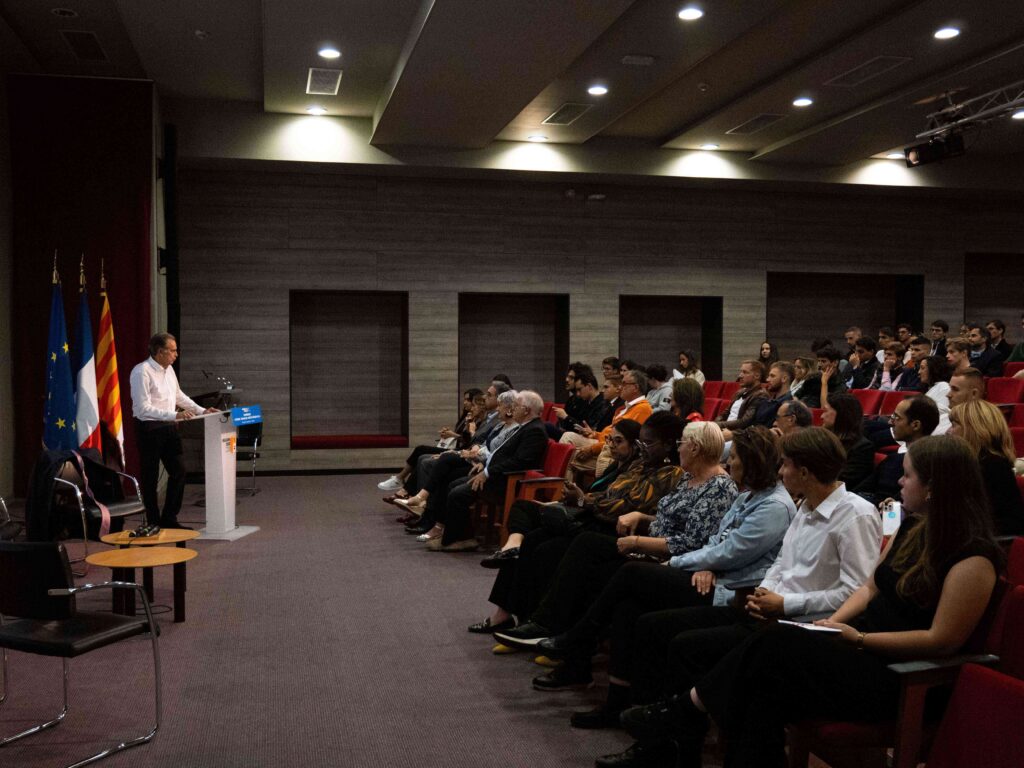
[1018,115]
[597,90]
[690,13]
[536,138]
[317,111]
[64,13]
[709,147]
[946,33]
[895,156]
[201,34]
[803,101]
[329,53]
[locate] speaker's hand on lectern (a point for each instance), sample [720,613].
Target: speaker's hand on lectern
[183,415]
[212,410]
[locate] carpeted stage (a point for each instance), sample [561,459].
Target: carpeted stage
[328,638]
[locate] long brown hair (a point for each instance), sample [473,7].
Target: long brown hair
[957,514]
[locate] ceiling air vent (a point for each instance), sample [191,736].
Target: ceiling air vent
[323,82]
[755,124]
[84,45]
[566,114]
[869,69]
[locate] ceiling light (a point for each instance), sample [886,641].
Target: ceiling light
[895,156]
[536,137]
[690,13]
[946,33]
[64,13]
[1018,115]
[709,147]
[317,111]
[329,53]
[597,90]
[803,101]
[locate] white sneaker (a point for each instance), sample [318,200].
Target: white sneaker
[391,484]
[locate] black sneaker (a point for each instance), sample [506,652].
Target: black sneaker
[665,719]
[564,678]
[525,636]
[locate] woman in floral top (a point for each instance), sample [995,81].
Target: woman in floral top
[684,521]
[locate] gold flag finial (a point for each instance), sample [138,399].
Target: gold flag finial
[103,278]
[56,277]
[81,274]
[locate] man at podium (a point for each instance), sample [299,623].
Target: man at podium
[157,405]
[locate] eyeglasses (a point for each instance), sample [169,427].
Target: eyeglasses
[646,443]
[682,440]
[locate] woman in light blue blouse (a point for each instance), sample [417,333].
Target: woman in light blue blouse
[745,545]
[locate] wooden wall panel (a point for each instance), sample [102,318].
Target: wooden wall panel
[994,289]
[248,237]
[652,329]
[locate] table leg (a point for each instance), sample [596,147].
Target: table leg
[179,592]
[117,595]
[184,582]
[129,594]
[147,582]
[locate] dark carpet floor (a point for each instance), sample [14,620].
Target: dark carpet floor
[328,638]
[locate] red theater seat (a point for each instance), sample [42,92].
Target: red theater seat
[890,400]
[713,388]
[1004,390]
[870,400]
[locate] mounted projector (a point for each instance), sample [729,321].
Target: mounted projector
[938,148]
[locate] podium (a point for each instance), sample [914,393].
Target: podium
[219,440]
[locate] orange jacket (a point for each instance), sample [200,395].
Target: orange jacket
[638,412]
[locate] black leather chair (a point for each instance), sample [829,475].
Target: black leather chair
[38,615]
[247,446]
[9,529]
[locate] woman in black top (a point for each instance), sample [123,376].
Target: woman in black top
[924,600]
[982,425]
[844,417]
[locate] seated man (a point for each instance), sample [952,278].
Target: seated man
[524,449]
[779,376]
[892,368]
[590,443]
[885,336]
[920,348]
[589,407]
[938,332]
[743,408]
[997,338]
[966,385]
[571,405]
[913,419]
[865,367]
[1017,353]
[982,356]
[660,393]
[792,416]
[904,335]
[829,359]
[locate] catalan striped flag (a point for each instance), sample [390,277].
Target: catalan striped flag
[87,411]
[109,389]
[59,412]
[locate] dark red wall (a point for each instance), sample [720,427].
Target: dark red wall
[82,161]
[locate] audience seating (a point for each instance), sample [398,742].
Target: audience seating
[1011,369]
[1017,433]
[545,415]
[816,414]
[37,602]
[1015,562]
[549,481]
[729,388]
[9,529]
[712,405]
[982,723]
[870,400]
[1015,417]
[866,744]
[713,388]
[880,457]
[1005,390]
[890,400]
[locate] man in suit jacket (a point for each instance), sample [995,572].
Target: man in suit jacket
[983,357]
[524,449]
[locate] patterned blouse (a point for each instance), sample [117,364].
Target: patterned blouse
[636,489]
[688,517]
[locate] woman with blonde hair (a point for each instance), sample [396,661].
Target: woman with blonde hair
[982,425]
[802,368]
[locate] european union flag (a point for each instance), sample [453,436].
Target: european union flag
[59,420]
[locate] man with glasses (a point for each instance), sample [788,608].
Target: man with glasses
[157,405]
[913,419]
[938,332]
[792,416]
[591,454]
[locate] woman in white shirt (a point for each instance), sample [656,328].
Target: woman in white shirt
[688,367]
[935,374]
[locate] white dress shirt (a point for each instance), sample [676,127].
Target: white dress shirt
[156,394]
[827,553]
[940,394]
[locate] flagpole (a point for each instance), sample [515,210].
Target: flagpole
[56,277]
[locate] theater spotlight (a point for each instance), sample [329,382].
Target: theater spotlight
[938,148]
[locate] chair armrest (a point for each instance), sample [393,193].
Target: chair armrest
[135,482]
[71,591]
[73,487]
[538,480]
[924,669]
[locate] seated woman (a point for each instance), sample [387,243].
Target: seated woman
[688,399]
[684,521]
[768,354]
[935,373]
[984,428]
[924,600]
[749,538]
[450,466]
[540,534]
[803,367]
[689,367]
[448,439]
[844,417]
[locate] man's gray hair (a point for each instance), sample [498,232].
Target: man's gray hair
[508,397]
[500,387]
[533,401]
[640,377]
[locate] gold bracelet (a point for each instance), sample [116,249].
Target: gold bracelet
[860,640]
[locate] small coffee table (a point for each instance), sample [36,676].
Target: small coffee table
[175,536]
[123,562]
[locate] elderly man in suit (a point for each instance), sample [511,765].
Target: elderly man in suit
[523,449]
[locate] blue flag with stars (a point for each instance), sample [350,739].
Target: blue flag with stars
[59,420]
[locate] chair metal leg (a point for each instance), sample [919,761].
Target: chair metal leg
[43,726]
[254,490]
[3,671]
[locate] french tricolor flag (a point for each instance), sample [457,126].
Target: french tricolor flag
[87,411]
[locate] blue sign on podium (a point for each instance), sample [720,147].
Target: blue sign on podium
[246,414]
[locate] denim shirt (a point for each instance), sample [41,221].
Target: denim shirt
[748,540]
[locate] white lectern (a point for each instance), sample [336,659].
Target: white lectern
[219,440]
